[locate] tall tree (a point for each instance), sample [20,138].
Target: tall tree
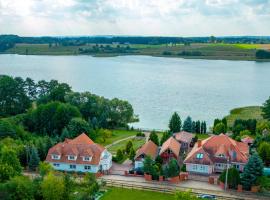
[132,154]
[129,145]
[266,109]
[198,127]
[264,152]
[219,128]
[165,136]
[175,123]
[233,177]
[188,124]
[173,168]
[34,159]
[13,97]
[53,187]
[154,137]
[252,171]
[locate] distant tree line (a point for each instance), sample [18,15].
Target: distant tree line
[8,41]
[106,49]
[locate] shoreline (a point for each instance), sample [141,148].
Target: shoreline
[158,56]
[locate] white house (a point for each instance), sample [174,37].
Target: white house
[80,154]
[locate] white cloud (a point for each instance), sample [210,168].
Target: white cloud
[135,17]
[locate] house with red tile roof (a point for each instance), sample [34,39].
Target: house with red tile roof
[247,140]
[80,154]
[170,149]
[185,139]
[148,149]
[215,153]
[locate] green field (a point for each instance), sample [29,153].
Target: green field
[206,50]
[137,143]
[250,112]
[128,194]
[117,135]
[202,136]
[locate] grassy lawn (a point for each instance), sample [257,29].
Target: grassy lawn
[250,112]
[122,145]
[202,136]
[117,135]
[124,194]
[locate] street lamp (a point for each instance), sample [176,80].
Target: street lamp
[226,179]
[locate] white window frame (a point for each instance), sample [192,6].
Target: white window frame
[72,166]
[87,158]
[71,157]
[199,155]
[56,164]
[55,157]
[87,167]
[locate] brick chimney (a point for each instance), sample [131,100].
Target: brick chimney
[199,143]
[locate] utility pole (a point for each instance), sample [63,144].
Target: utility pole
[226,180]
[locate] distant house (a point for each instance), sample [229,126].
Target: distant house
[212,155]
[185,139]
[170,149]
[148,149]
[247,140]
[80,154]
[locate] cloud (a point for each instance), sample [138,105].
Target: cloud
[135,17]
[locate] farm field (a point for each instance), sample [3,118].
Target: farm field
[194,50]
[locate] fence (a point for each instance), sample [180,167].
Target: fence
[170,189]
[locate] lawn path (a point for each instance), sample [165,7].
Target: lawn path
[127,138]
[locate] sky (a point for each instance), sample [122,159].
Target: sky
[135,17]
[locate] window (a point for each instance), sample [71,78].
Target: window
[72,157]
[199,155]
[56,164]
[87,167]
[87,158]
[72,166]
[55,157]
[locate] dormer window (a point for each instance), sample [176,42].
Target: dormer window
[199,155]
[55,157]
[221,156]
[87,158]
[70,157]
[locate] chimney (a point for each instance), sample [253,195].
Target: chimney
[199,143]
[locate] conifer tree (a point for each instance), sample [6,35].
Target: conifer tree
[188,124]
[175,123]
[252,171]
[154,137]
[34,159]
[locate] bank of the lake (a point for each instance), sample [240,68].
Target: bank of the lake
[155,86]
[208,51]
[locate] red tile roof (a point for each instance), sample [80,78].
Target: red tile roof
[171,144]
[184,136]
[216,145]
[247,140]
[149,149]
[80,146]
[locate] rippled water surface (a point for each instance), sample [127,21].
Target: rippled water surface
[203,89]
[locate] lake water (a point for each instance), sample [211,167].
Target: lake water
[156,87]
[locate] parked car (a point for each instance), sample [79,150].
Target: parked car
[206,196]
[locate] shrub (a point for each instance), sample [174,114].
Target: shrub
[233,177]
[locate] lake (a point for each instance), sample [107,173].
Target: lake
[155,86]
